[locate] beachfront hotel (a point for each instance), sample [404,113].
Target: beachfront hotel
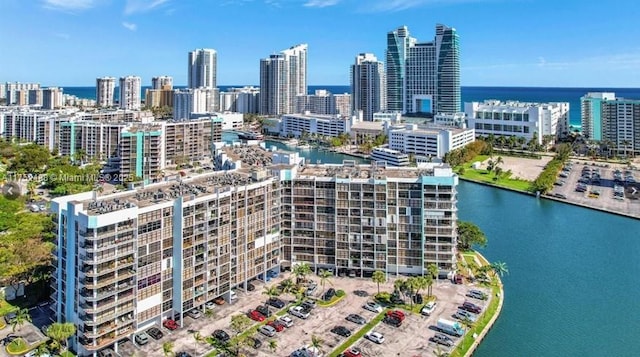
[606,118]
[129,260]
[519,119]
[423,77]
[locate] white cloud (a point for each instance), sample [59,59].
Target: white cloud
[129,26]
[321,3]
[138,6]
[400,5]
[69,5]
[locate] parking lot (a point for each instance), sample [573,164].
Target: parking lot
[598,194]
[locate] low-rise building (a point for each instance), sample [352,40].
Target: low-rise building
[519,119]
[428,141]
[314,124]
[390,157]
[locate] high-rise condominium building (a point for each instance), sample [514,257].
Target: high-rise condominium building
[368,86]
[162,82]
[130,95]
[187,102]
[130,260]
[52,98]
[105,91]
[240,100]
[324,102]
[283,77]
[613,121]
[18,93]
[203,68]
[423,76]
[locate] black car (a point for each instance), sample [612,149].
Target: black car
[392,320]
[251,287]
[342,331]
[275,302]
[471,307]
[417,299]
[396,299]
[182,354]
[254,342]
[357,319]
[221,336]
[308,304]
[155,333]
[442,340]
[329,294]
[264,310]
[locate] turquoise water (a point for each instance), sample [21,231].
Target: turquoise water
[573,286]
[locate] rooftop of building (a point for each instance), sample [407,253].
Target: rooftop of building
[367,125]
[378,171]
[309,115]
[249,155]
[514,104]
[431,129]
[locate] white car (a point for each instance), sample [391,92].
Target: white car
[233,295]
[267,330]
[372,306]
[286,320]
[429,308]
[376,337]
[210,305]
[298,311]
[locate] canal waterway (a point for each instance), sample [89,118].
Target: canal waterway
[573,287]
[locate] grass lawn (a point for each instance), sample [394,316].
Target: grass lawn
[18,346]
[6,307]
[485,177]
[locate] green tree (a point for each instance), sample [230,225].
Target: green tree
[317,342]
[469,235]
[239,323]
[42,351]
[273,346]
[301,270]
[271,291]
[287,286]
[433,271]
[379,277]
[59,333]
[325,277]
[167,349]
[30,159]
[499,268]
[22,317]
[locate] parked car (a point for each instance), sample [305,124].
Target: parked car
[311,290]
[267,330]
[251,287]
[397,314]
[221,336]
[376,337]
[170,324]
[392,320]
[286,320]
[8,318]
[471,307]
[428,308]
[442,339]
[357,319]
[417,299]
[264,310]
[194,313]
[298,311]
[341,330]
[141,338]
[276,325]
[219,300]
[155,333]
[360,293]
[210,305]
[352,352]
[254,342]
[372,306]
[477,294]
[275,302]
[329,294]
[183,354]
[464,314]
[310,304]
[233,295]
[107,352]
[255,315]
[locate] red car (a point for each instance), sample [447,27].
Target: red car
[256,316]
[397,314]
[170,324]
[276,325]
[352,352]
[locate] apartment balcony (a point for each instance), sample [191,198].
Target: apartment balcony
[93,284]
[104,305]
[90,270]
[92,247]
[94,320]
[113,336]
[104,293]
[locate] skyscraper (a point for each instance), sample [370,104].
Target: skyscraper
[105,90]
[130,92]
[613,121]
[368,85]
[283,76]
[202,68]
[423,76]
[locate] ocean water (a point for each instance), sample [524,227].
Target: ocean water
[469,94]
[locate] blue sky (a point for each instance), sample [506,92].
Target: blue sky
[560,43]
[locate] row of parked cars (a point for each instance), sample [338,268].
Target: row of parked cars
[468,310]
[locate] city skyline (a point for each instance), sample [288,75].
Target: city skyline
[499,47]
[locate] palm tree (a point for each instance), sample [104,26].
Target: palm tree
[301,270]
[287,286]
[273,346]
[167,348]
[399,285]
[428,279]
[198,337]
[22,316]
[317,342]
[325,275]
[42,351]
[499,268]
[60,333]
[625,144]
[433,271]
[379,277]
[271,291]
